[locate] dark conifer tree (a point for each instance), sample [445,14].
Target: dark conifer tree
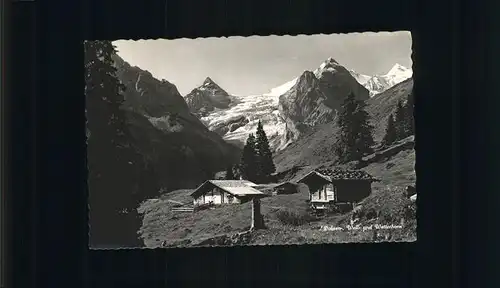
[355,137]
[117,179]
[400,121]
[410,123]
[229,173]
[265,162]
[237,172]
[390,132]
[248,166]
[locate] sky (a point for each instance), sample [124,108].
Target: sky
[254,65]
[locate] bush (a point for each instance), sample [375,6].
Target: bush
[293,218]
[410,211]
[343,207]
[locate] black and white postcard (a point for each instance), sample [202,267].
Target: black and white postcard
[263,140]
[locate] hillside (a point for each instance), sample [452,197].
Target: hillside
[184,158]
[316,147]
[222,225]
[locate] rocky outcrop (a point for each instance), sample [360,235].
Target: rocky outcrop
[317,97]
[231,125]
[206,98]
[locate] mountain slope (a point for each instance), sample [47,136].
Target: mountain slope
[316,146]
[161,223]
[179,146]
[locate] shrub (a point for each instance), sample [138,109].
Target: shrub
[410,211]
[333,209]
[287,217]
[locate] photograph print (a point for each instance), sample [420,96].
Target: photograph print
[262,140]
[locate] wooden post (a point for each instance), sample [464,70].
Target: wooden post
[257,220]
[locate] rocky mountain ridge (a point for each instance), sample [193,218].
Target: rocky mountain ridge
[317,97]
[181,148]
[206,98]
[379,83]
[288,110]
[316,146]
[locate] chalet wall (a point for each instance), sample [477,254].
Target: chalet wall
[216,196]
[318,188]
[325,192]
[352,190]
[230,199]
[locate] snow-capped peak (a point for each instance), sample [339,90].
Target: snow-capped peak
[282,89]
[397,69]
[328,65]
[379,83]
[331,60]
[208,81]
[398,73]
[361,78]
[375,84]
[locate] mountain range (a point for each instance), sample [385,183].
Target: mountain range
[291,109]
[375,84]
[379,83]
[187,139]
[316,146]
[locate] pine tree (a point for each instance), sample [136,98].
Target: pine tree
[409,120]
[117,181]
[248,166]
[229,173]
[355,137]
[265,162]
[237,171]
[400,121]
[390,132]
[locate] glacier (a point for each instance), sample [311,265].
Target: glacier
[253,108]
